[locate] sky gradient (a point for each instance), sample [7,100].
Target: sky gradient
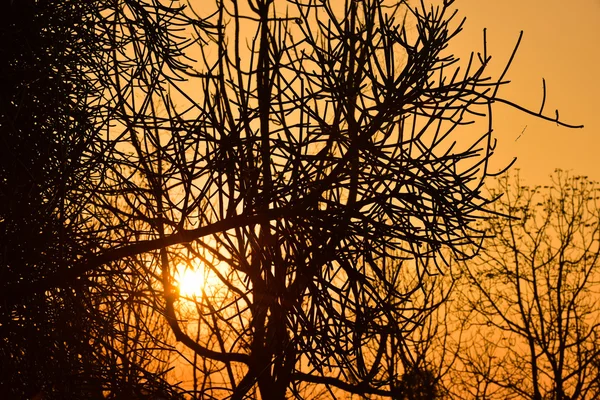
[560,43]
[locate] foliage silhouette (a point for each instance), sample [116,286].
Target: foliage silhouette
[311,162]
[61,341]
[43,111]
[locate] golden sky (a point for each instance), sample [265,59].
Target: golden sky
[561,43]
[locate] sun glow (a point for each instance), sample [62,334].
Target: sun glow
[190,281]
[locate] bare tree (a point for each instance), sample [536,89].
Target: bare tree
[316,148]
[423,358]
[532,293]
[310,162]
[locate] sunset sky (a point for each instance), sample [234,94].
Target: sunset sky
[561,43]
[300,218]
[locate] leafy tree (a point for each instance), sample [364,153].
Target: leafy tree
[56,97]
[311,163]
[43,120]
[532,291]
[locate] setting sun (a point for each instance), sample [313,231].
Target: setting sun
[190,281]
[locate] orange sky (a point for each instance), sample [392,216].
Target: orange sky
[561,43]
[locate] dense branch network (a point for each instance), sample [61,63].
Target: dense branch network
[313,161]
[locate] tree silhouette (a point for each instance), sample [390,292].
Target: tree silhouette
[532,291]
[62,335]
[43,115]
[309,163]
